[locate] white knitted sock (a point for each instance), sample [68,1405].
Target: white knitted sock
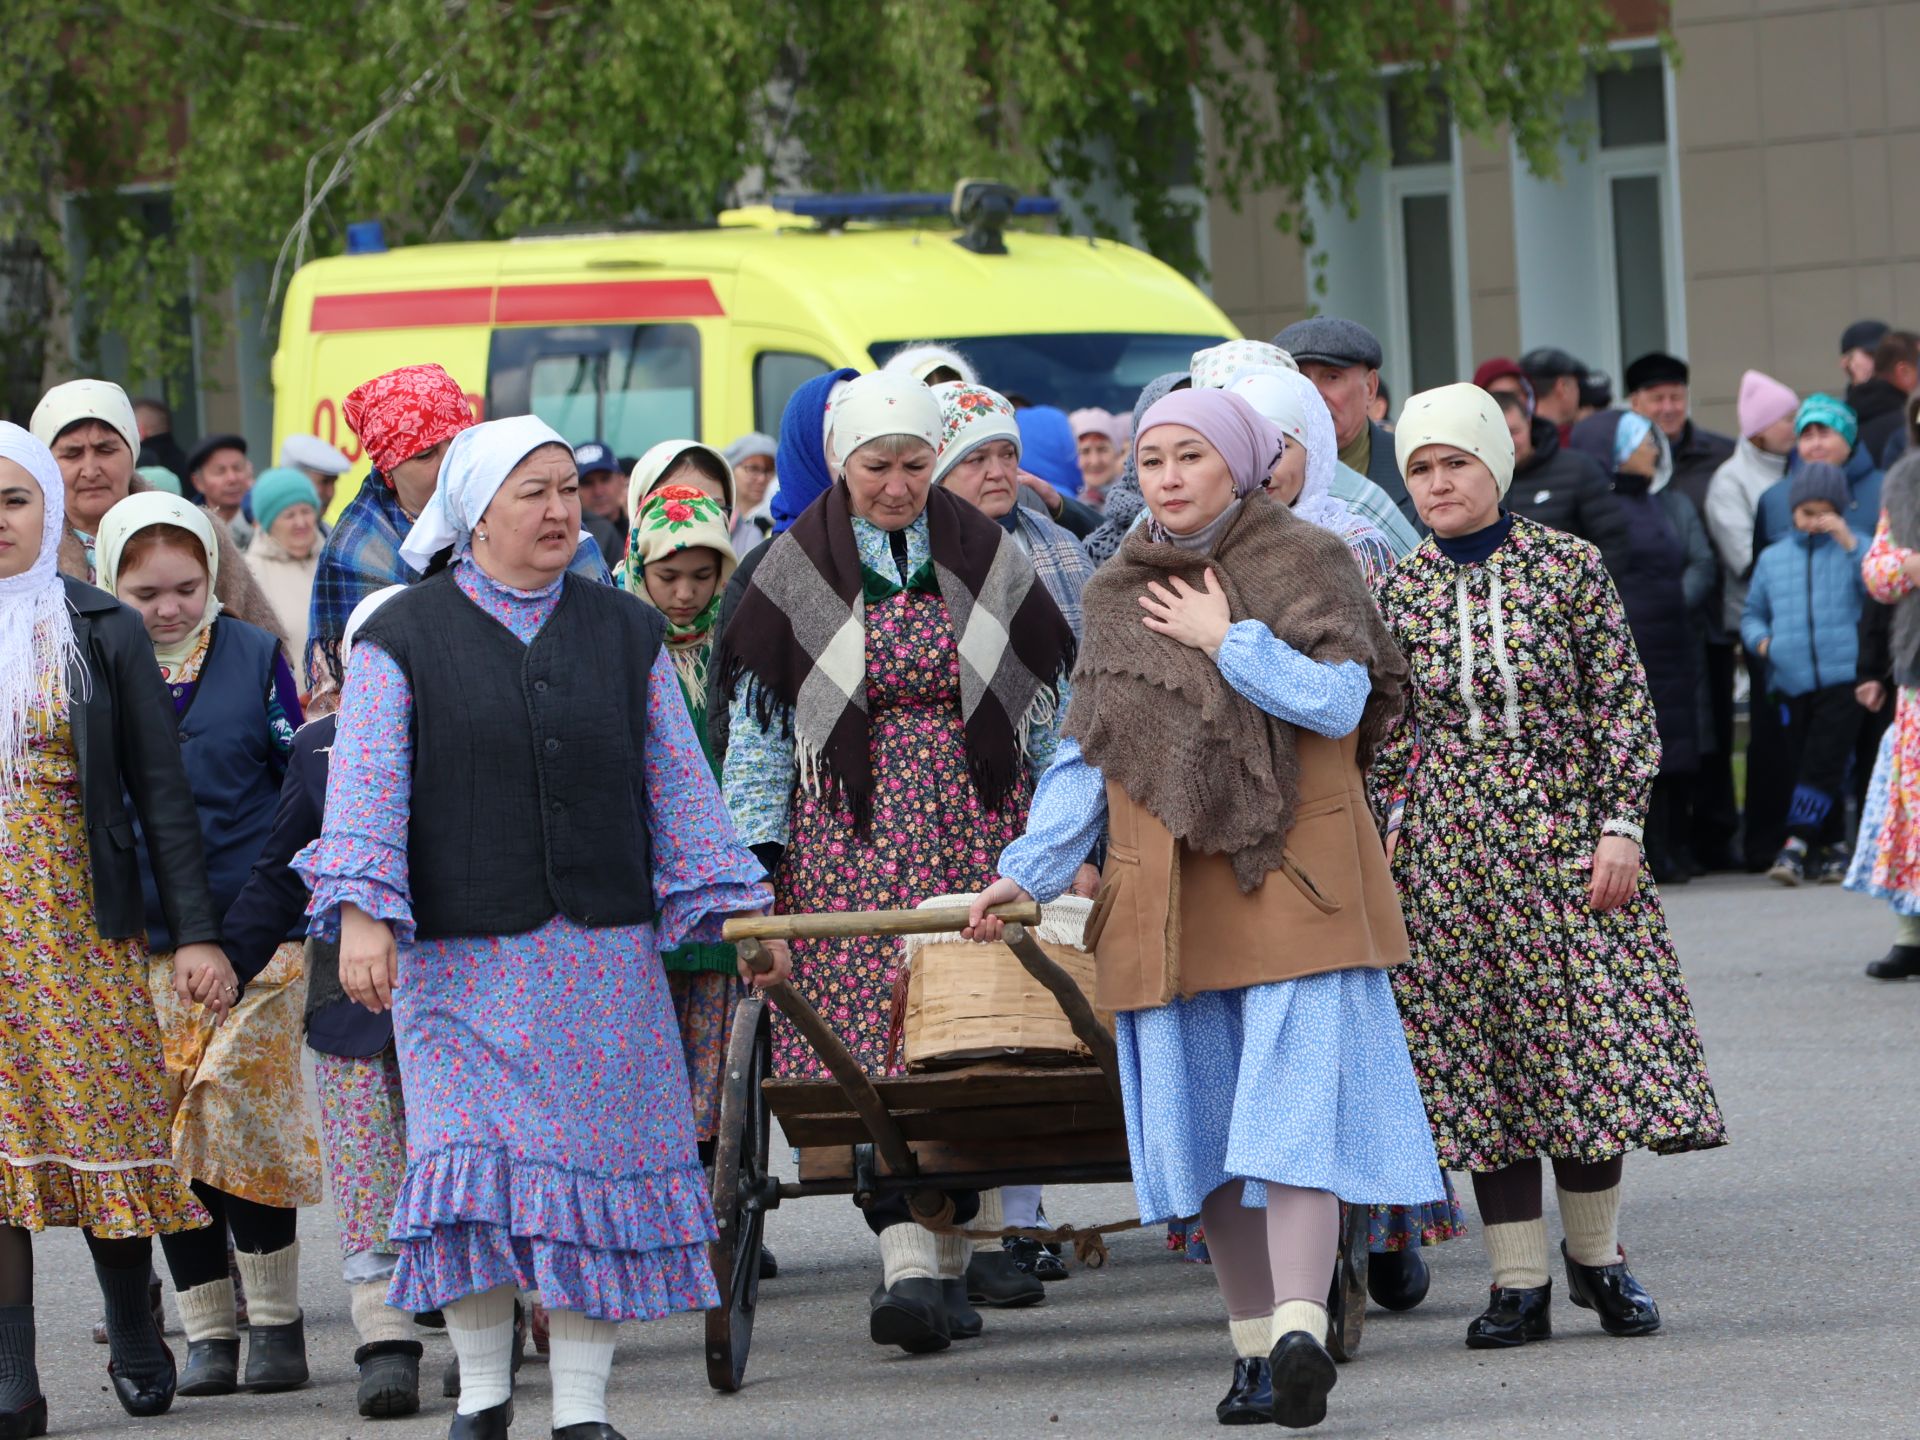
[992,1216]
[1295,1315]
[580,1361]
[1518,1251]
[481,1329]
[1253,1338]
[1592,1222]
[952,1252]
[207,1313]
[908,1252]
[375,1321]
[273,1285]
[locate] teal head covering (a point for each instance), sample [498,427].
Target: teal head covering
[159,477]
[1827,411]
[277,490]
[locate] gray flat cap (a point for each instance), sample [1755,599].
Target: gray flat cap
[1330,340]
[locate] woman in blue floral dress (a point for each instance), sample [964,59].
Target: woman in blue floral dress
[549,1133]
[1544,1006]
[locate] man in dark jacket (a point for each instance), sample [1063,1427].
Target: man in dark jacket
[1560,487]
[1657,388]
[1555,377]
[1342,359]
[1881,403]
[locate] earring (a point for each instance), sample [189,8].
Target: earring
[479,534]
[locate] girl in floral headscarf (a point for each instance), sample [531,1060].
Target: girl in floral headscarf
[679,559]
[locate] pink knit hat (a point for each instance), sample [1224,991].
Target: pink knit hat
[1764,400]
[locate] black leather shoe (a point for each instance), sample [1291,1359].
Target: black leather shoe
[28,1421]
[1303,1374]
[450,1377]
[1030,1257]
[1249,1400]
[1610,1290]
[1513,1317]
[213,1368]
[911,1314]
[769,1267]
[963,1321]
[389,1379]
[1398,1279]
[277,1356]
[994,1280]
[488,1424]
[1902,962]
[588,1430]
[145,1397]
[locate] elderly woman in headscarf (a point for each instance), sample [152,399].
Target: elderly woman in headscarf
[1544,1007]
[1665,574]
[894,673]
[86,728]
[90,428]
[515,928]
[1098,435]
[1234,681]
[240,1132]
[752,460]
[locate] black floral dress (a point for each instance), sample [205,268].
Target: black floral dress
[1537,1026]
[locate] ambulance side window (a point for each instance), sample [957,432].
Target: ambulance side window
[629,385]
[776,375]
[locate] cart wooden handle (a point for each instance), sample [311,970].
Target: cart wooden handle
[843,924]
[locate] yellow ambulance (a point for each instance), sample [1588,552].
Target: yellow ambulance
[638,337]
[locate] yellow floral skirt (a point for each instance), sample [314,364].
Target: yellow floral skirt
[242,1124]
[84,1103]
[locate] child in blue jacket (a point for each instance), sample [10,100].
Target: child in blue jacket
[1803,616]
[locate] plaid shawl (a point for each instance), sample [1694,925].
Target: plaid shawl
[1063,567]
[800,636]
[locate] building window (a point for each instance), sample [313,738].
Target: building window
[1427,265]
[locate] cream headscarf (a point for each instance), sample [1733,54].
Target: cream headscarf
[875,406]
[1463,416]
[140,512]
[477,464]
[37,647]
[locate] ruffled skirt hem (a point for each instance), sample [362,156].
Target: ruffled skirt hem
[114,1204]
[464,1258]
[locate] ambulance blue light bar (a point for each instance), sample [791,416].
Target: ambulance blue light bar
[883,205]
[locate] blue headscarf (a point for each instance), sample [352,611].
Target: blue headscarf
[1629,436]
[1048,448]
[801,461]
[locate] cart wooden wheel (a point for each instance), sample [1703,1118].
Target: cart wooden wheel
[743,1192]
[1347,1305]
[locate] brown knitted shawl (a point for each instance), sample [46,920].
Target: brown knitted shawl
[1158,718]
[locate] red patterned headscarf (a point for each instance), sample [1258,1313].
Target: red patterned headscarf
[405,411]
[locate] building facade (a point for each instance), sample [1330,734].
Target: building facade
[1736,204]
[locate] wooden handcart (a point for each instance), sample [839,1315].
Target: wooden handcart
[972,1128]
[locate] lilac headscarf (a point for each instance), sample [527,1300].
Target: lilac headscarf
[1248,441]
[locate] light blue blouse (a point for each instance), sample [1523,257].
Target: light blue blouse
[1070,803]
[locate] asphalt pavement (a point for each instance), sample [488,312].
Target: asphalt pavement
[1785,1265]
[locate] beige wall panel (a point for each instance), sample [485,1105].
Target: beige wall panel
[1688,12]
[1866,73]
[1808,310]
[1872,294]
[1496,325]
[1903,191]
[1488,201]
[1235,255]
[1723,210]
[1809,209]
[1872,212]
[1900,51]
[1803,76]
[1727,332]
[1906,291]
[1717,88]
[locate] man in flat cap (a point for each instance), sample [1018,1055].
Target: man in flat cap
[1342,359]
[1657,388]
[1557,379]
[322,463]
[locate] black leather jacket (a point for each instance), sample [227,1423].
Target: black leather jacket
[124,732]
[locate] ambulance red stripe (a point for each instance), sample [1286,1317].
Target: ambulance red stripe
[516,305]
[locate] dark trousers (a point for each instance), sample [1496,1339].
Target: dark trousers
[1716,815]
[1821,728]
[1769,770]
[199,1257]
[890,1210]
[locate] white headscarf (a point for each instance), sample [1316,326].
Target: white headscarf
[1290,400]
[649,469]
[1215,367]
[477,464]
[1463,416]
[79,400]
[140,512]
[37,648]
[362,613]
[921,360]
[877,405]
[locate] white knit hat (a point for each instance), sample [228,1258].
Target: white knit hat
[1463,416]
[79,400]
[878,405]
[921,360]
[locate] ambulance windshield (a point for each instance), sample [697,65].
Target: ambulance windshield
[1071,371]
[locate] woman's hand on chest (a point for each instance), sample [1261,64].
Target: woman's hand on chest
[1198,618]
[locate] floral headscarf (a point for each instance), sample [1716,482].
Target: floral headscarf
[673,519]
